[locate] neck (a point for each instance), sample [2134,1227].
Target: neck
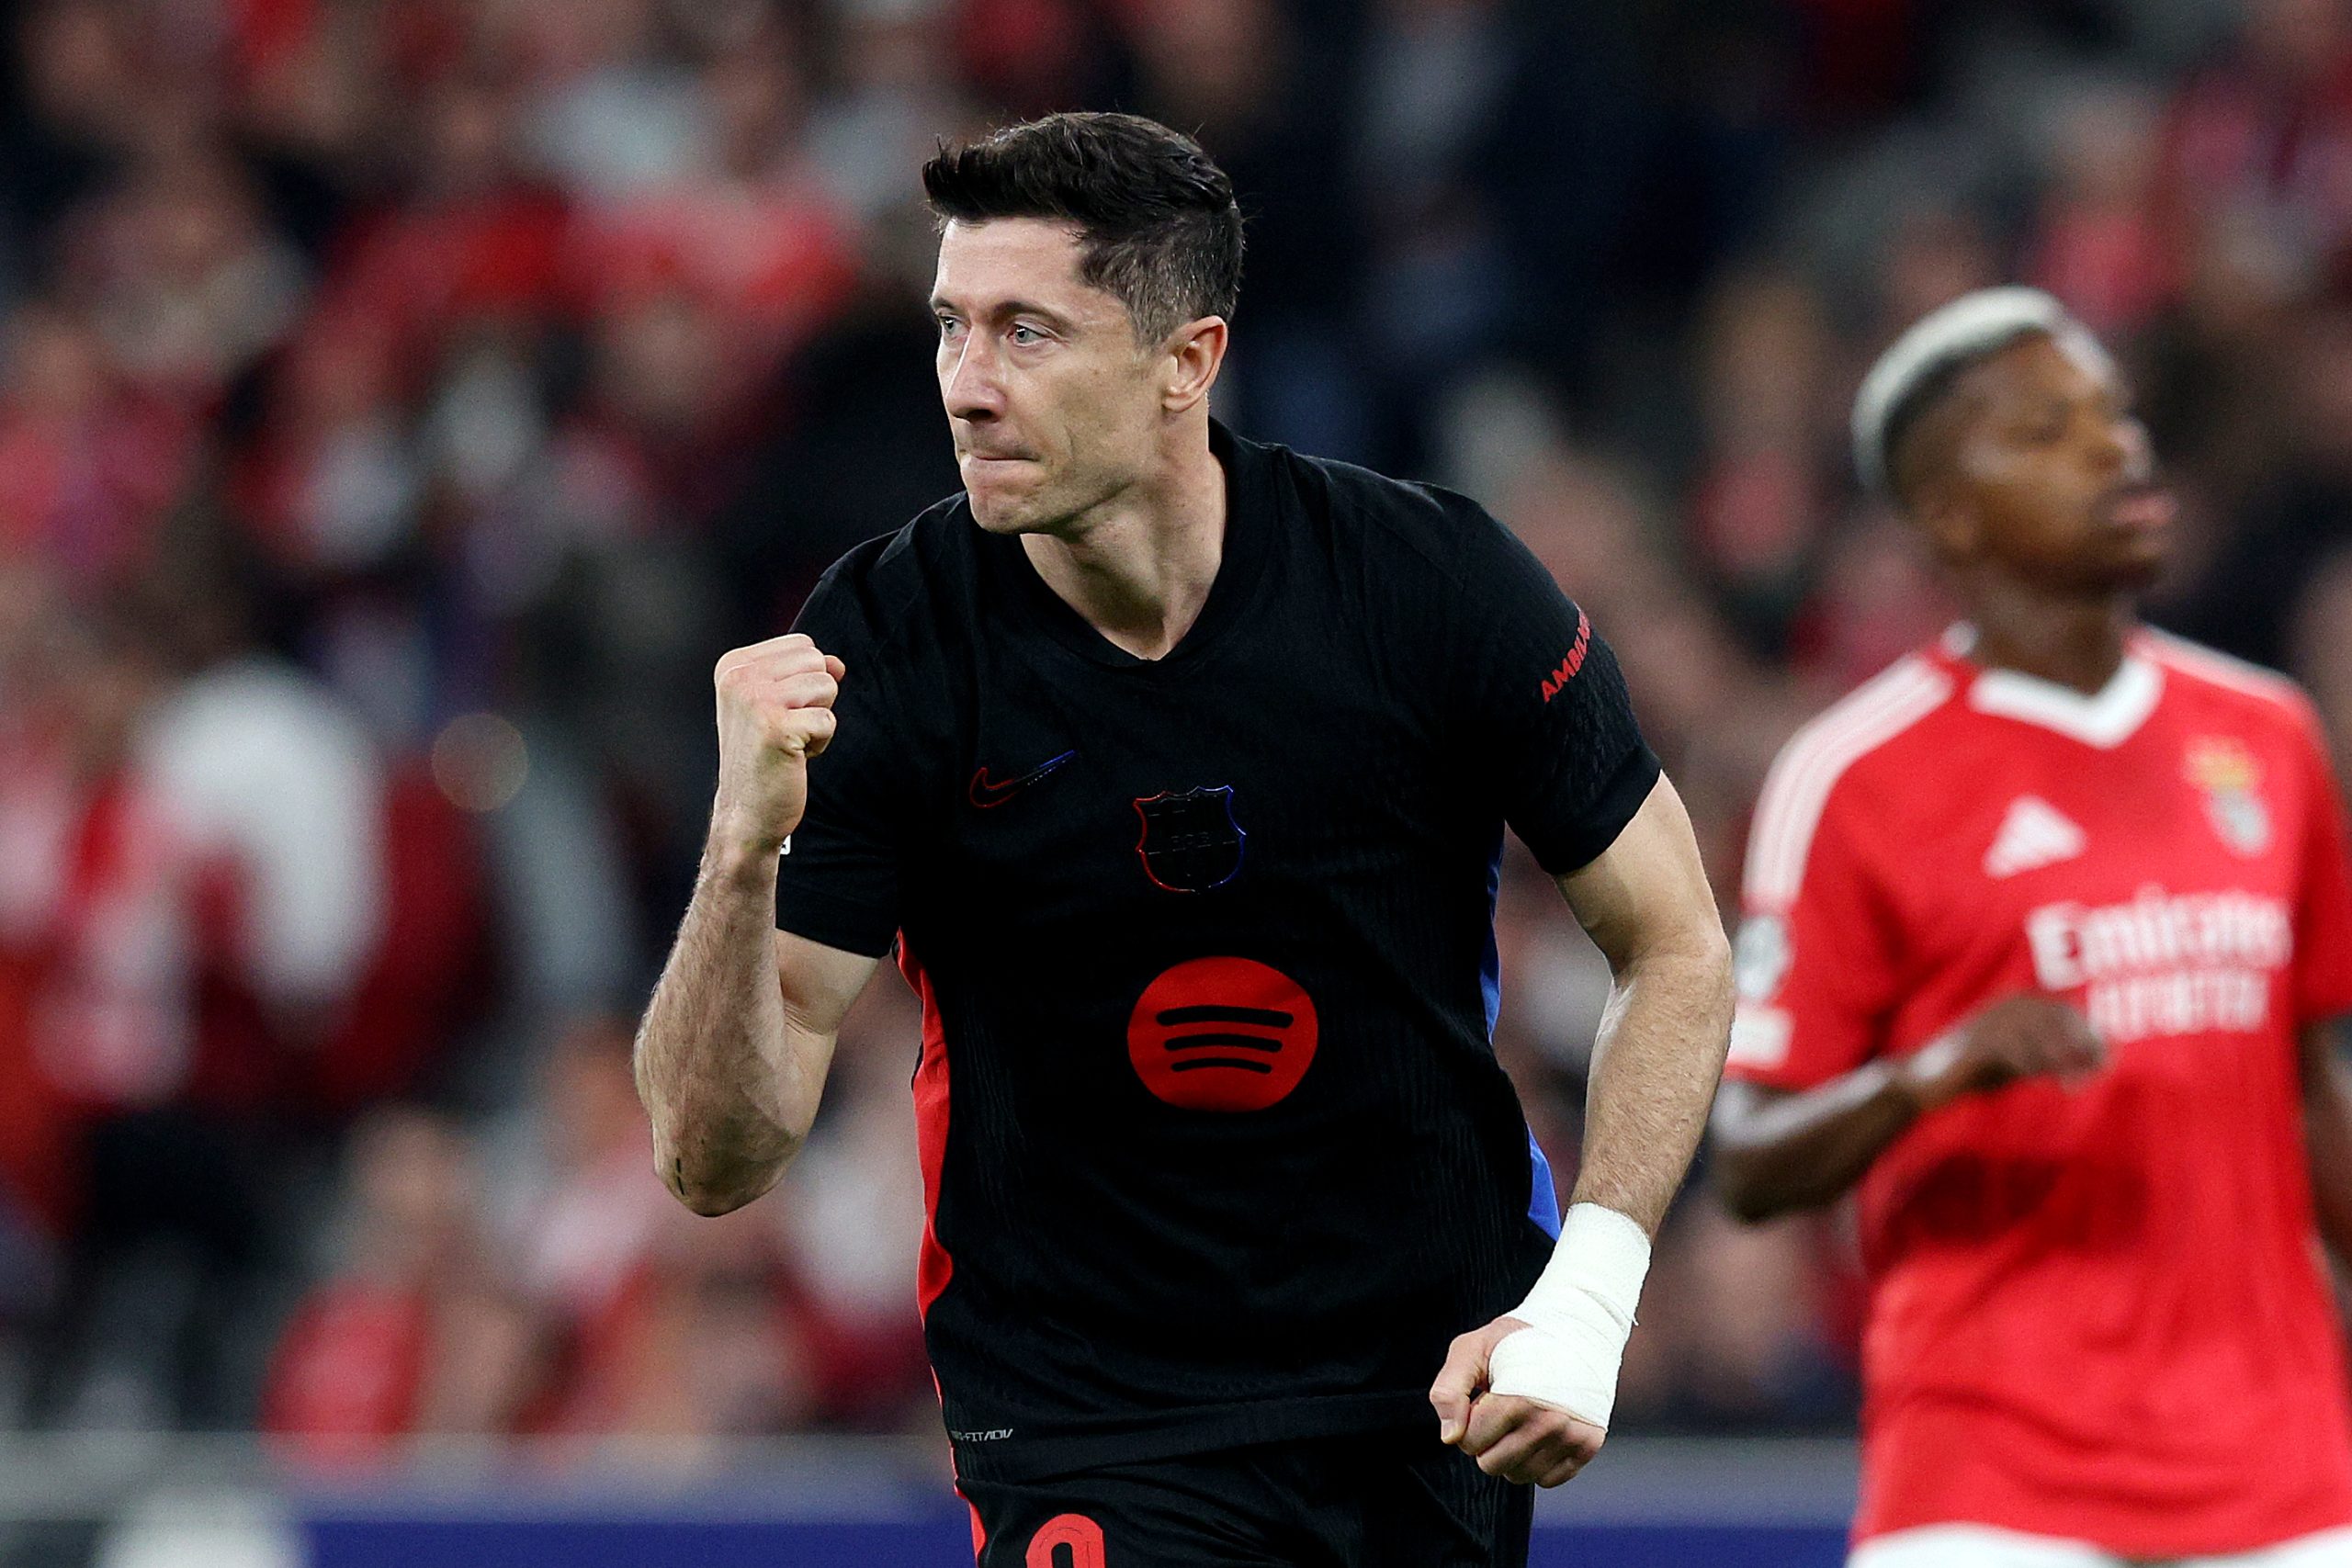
[1139,566]
[2070,639]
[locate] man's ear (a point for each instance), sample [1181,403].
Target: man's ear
[1195,352]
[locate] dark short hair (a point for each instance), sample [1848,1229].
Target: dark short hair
[1157,224]
[1926,395]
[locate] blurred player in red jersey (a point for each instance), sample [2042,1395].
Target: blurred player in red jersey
[2044,929]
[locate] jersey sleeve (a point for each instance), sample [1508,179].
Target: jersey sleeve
[837,880]
[1815,979]
[2323,911]
[1552,724]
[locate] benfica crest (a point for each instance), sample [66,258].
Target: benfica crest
[1189,841]
[2232,781]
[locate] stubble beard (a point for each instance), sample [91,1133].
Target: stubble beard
[1050,508]
[1009,515]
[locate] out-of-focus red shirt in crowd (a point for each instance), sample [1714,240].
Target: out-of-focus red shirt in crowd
[350,1372]
[772,260]
[82,493]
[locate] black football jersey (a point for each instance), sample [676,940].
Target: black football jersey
[1216,1146]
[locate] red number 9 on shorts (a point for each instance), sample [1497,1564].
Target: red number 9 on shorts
[1080,1534]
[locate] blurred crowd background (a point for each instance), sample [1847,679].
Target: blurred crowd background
[403,402]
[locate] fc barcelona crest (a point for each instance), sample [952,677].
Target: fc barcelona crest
[1189,841]
[2231,781]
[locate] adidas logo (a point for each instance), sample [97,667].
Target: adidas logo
[2035,833]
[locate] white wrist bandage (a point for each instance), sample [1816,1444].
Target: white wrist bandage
[1577,1317]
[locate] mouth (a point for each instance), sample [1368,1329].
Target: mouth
[988,467]
[2141,506]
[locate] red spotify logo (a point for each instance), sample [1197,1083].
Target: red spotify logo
[1222,1034]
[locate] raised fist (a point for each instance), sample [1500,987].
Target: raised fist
[776,711]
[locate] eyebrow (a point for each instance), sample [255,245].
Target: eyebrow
[2115,394]
[1008,308]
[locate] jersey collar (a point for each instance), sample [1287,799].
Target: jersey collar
[2105,718]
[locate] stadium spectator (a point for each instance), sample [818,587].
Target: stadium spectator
[412,1332]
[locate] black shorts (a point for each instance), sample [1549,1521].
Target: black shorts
[1392,1500]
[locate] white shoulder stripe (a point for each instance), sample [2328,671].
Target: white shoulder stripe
[2222,668]
[1797,791]
[1822,732]
[1798,787]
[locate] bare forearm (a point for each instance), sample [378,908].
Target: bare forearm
[1655,1064]
[1800,1151]
[715,1065]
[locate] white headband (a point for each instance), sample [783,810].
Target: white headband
[1966,330]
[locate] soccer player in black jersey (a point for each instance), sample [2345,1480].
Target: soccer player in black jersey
[1176,769]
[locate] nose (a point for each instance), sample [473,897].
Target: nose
[2124,445]
[967,380]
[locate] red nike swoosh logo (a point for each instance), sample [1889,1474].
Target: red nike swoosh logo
[988,793]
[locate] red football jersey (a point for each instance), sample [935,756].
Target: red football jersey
[2097,1310]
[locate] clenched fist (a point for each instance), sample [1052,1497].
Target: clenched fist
[1519,1439]
[776,711]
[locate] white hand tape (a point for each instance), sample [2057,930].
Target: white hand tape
[1577,1317]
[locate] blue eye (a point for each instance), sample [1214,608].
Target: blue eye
[948,325]
[1025,335]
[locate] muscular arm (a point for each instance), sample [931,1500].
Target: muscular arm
[734,1048]
[1656,1060]
[1661,1047]
[732,1053]
[2327,1131]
